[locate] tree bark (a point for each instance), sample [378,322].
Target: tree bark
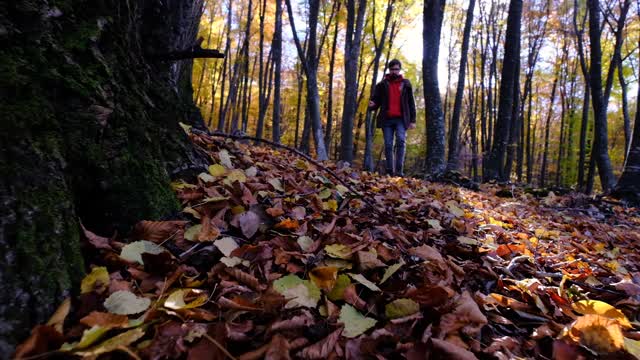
[332,61]
[225,66]
[433,13]
[586,95]
[81,139]
[495,160]
[600,145]
[628,186]
[277,59]
[457,105]
[310,66]
[353,37]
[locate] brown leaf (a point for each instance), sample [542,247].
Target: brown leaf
[295,322]
[105,320]
[368,260]
[43,338]
[426,252]
[278,349]
[322,348]
[431,296]
[237,303]
[275,212]
[157,231]
[351,297]
[245,278]
[466,317]
[98,242]
[448,350]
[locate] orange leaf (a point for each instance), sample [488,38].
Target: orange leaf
[288,224]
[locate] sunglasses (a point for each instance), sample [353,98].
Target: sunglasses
[394,69]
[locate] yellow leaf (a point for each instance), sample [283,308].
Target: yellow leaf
[99,277]
[217,170]
[301,164]
[186,299]
[597,307]
[324,277]
[338,251]
[597,332]
[114,343]
[331,205]
[235,175]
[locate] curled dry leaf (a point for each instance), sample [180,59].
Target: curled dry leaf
[322,348]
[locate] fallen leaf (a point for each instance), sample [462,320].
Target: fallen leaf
[338,251]
[324,277]
[362,280]
[322,348]
[186,299]
[133,251]
[98,278]
[390,271]
[597,307]
[337,293]
[355,323]
[126,303]
[226,245]
[249,223]
[225,159]
[400,308]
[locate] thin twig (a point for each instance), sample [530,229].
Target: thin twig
[219,346]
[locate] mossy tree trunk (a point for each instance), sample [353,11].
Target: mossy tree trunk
[89,132]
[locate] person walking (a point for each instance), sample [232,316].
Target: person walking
[394,97]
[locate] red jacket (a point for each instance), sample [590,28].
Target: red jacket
[395,92]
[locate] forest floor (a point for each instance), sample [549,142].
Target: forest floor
[273,257]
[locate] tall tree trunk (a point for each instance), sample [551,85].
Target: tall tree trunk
[472,118]
[600,145]
[530,138]
[72,150]
[262,105]
[547,127]
[625,110]
[298,104]
[495,161]
[587,92]
[310,66]
[514,128]
[433,13]
[332,62]
[457,105]
[277,59]
[245,121]
[628,186]
[245,66]
[225,66]
[353,37]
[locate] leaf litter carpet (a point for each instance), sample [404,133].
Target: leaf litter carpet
[271,257]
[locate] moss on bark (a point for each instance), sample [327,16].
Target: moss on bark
[89,131]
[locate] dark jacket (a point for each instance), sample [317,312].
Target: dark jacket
[381,99]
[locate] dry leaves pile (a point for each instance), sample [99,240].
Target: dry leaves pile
[274,260]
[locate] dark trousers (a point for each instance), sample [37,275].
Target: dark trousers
[391,127]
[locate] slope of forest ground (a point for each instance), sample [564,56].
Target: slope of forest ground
[274,257]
